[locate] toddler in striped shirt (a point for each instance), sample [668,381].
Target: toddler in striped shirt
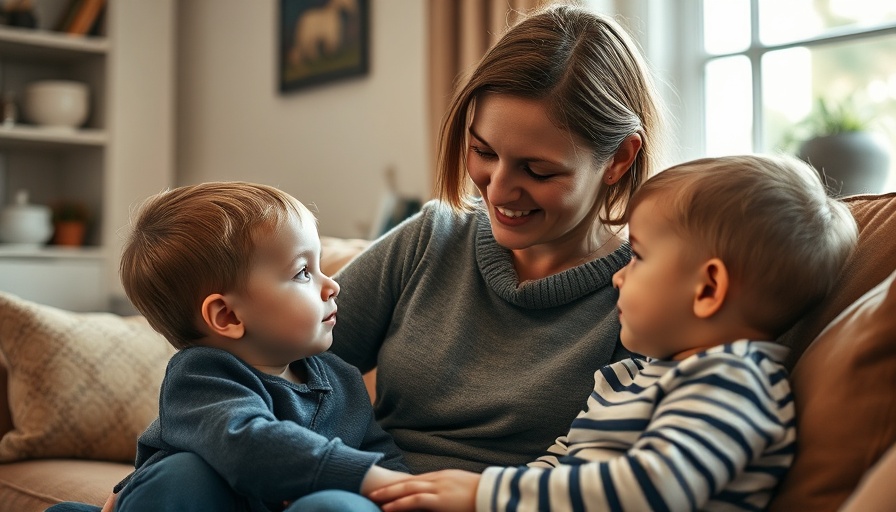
[728,253]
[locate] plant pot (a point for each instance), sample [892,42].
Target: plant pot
[69,233]
[849,163]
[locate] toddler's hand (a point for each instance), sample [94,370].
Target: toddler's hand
[109,506]
[451,490]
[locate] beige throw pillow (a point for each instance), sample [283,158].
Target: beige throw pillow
[81,385]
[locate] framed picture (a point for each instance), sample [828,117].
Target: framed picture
[322,41]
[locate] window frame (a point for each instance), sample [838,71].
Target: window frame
[671,35]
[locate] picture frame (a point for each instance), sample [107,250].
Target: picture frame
[322,41]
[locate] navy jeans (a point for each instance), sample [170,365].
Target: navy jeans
[183,482]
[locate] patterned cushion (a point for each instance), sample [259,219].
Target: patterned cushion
[81,385]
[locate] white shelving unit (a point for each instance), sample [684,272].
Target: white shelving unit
[130,74]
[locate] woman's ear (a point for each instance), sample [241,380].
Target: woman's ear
[623,158]
[711,289]
[220,318]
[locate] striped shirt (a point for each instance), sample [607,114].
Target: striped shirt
[714,431]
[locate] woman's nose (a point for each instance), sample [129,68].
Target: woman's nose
[503,187]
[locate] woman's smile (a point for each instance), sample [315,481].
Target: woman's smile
[513,218]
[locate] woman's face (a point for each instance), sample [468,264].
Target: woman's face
[539,182]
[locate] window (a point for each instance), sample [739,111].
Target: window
[742,74]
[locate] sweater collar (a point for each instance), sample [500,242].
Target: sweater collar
[496,267]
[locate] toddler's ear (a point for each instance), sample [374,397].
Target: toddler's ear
[220,318]
[711,289]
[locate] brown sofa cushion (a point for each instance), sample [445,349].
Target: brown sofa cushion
[843,389]
[34,485]
[843,383]
[80,385]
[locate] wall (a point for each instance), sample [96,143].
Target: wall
[329,146]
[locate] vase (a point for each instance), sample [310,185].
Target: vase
[849,163]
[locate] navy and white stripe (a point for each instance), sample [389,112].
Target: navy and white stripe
[714,431]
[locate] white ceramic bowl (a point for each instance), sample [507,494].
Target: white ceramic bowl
[56,103]
[24,223]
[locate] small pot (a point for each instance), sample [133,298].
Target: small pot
[25,224]
[69,233]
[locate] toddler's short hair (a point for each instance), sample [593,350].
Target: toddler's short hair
[783,240]
[192,241]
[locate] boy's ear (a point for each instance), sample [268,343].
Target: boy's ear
[711,289]
[220,318]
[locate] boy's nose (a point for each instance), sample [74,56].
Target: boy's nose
[330,288]
[617,277]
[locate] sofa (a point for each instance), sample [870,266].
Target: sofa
[76,389]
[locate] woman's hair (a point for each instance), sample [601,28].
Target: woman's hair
[768,218]
[592,78]
[192,241]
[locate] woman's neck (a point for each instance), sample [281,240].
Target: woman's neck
[540,261]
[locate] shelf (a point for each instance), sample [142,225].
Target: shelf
[29,251]
[22,136]
[130,73]
[43,44]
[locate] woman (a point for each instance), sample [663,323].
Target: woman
[486,317]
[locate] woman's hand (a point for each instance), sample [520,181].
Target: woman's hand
[451,490]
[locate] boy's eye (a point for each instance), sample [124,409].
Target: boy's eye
[303,275]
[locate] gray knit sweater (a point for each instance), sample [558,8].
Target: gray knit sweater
[472,369]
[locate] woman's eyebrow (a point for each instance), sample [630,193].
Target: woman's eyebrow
[476,135]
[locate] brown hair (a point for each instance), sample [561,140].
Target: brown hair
[596,85]
[192,241]
[769,219]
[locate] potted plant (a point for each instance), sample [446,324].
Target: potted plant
[70,220]
[838,141]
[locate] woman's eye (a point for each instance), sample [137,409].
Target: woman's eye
[535,176]
[635,256]
[482,153]
[302,275]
